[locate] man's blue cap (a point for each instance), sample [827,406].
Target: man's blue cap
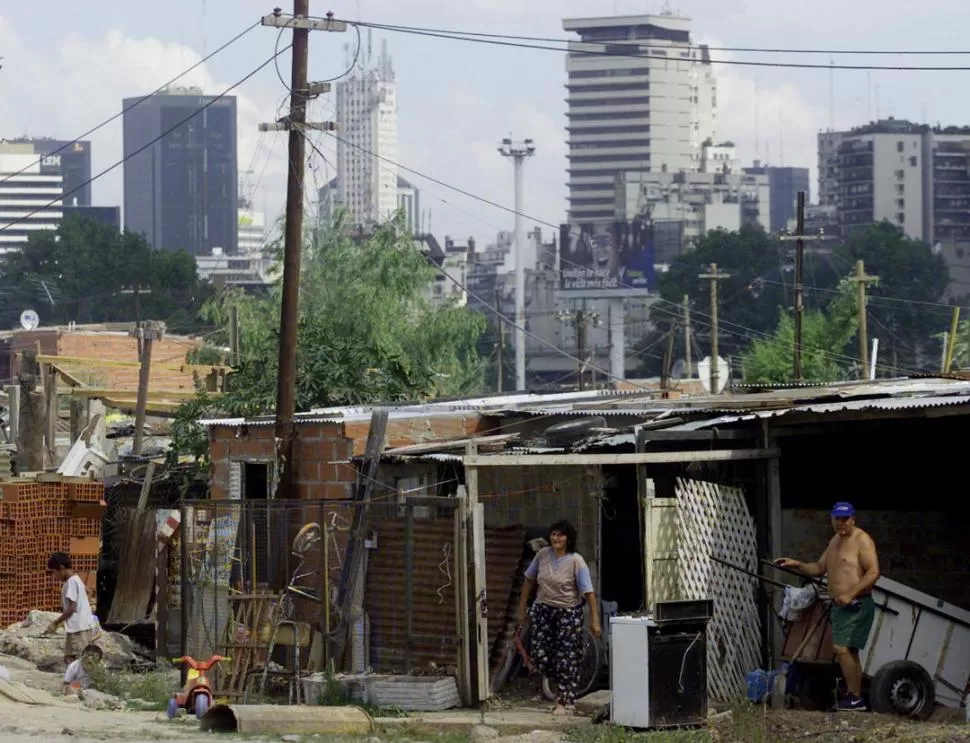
[843,510]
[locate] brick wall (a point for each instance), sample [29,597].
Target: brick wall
[109,346]
[322,450]
[317,448]
[924,550]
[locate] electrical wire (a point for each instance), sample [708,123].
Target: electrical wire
[497,41]
[723,324]
[138,102]
[196,112]
[661,45]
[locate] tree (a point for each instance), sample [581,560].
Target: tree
[760,267]
[911,280]
[825,335]
[88,272]
[368,330]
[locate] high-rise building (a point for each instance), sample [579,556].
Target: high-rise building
[110,216]
[22,193]
[874,173]
[181,191]
[367,179]
[72,160]
[409,203]
[784,183]
[641,97]
[252,230]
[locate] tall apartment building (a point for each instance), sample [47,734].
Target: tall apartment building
[73,163]
[784,184]
[181,192]
[408,203]
[22,193]
[641,97]
[367,179]
[874,173]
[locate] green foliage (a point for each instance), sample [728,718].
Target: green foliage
[368,331]
[761,285]
[87,272]
[825,336]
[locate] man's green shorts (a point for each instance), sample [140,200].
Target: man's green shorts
[851,624]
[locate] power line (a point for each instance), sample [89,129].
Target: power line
[458,36]
[138,102]
[748,332]
[661,45]
[145,146]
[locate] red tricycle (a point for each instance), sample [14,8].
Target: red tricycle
[196,696]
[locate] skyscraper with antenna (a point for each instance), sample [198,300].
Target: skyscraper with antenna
[367,178]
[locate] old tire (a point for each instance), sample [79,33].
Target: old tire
[173,708]
[902,688]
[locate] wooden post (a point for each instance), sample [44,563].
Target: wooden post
[713,275]
[799,285]
[500,325]
[148,332]
[688,351]
[478,596]
[861,280]
[462,610]
[233,335]
[951,339]
[49,377]
[13,406]
[30,442]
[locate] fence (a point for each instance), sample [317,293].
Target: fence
[240,567]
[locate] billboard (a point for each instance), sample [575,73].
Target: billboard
[607,258]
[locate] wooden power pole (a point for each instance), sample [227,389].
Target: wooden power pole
[296,124]
[147,332]
[861,280]
[688,353]
[500,321]
[713,275]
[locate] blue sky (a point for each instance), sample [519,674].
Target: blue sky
[69,69]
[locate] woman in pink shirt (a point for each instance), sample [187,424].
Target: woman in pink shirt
[557,614]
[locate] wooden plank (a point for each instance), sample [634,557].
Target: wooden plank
[454,444]
[582,460]
[462,608]
[157,394]
[704,434]
[146,487]
[85,361]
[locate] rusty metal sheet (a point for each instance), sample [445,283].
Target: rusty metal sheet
[434,591]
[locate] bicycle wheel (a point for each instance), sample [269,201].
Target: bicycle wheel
[589,669]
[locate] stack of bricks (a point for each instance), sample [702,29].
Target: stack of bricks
[37,517]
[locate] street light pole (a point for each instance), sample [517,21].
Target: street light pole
[518,152]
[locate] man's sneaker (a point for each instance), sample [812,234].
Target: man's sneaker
[852,703]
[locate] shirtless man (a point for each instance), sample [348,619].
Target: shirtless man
[852,566]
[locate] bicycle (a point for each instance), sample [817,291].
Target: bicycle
[589,668]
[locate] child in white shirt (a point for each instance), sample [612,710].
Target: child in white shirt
[78,674]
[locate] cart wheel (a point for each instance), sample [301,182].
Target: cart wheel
[173,708]
[902,688]
[589,669]
[201,706]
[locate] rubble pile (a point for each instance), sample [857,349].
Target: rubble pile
[27,640]
[37,517]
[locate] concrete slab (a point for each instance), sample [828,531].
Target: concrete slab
[506,722]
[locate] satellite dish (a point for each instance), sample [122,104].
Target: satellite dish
[704,372]
[29,319]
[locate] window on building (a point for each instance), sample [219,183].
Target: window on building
[900,217]
[900,146]
[900,203]
[959,252]
[900,174]
[912,161]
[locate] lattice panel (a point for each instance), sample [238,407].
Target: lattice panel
[662,568]
[714,520]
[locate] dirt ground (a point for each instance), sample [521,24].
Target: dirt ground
[63,719]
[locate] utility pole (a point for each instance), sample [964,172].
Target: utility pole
[500,318]
[233,335]
[800,237]
[518,152]
[688,356]
[799,284]
[296,124]
[861,280]
[147,332]
[713,275]
[580,322]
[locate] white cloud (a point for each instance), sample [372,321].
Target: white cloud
[84,82]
